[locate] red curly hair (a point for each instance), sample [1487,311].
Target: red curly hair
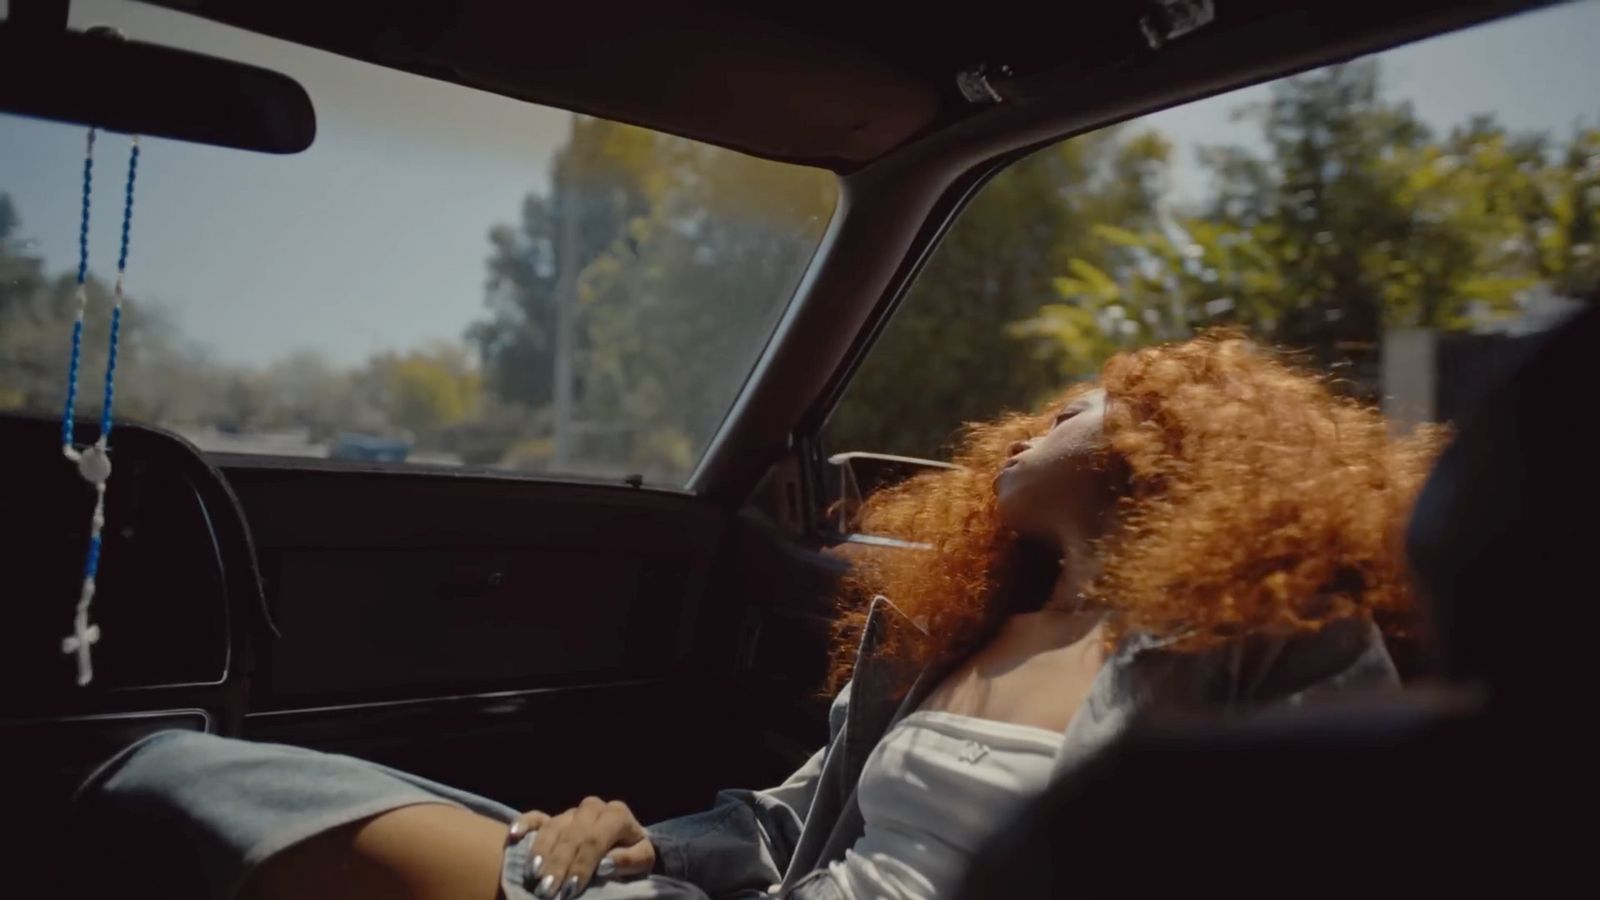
[1254,498]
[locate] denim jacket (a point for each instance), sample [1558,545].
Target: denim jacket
[761,840]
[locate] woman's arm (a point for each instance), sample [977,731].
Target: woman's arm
[745,841]
[1345,655]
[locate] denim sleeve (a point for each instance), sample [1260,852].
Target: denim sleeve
[1343,656]
[745,841]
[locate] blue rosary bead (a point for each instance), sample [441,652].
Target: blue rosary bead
[83,219]
[91,563]
[72,382]
[111,374]
[127,207]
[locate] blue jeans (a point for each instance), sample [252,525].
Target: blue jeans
[191,815]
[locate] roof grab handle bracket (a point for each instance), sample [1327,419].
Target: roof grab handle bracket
[975,84]
[1167,20]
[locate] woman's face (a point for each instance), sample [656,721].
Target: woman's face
[1056,486]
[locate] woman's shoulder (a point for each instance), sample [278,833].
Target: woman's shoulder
[1259,667]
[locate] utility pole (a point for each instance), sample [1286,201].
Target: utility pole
[566,297]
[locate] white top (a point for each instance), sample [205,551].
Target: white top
[931,793]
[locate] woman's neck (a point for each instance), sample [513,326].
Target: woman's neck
[1068,616]
[1079,567]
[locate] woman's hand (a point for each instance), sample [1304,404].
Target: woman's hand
[594,837]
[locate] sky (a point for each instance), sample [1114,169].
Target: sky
[376,237]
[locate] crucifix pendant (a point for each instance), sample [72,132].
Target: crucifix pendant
[83,637]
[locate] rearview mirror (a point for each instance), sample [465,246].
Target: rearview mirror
[98,78]
[857,476]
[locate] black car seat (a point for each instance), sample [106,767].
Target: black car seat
[1472,785]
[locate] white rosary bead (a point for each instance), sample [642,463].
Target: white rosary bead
[94,464]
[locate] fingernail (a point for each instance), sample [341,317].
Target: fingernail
[607,868]
[515,831]
[546,886]
[570,889]
[538,863]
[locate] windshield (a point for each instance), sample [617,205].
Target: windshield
[446,276]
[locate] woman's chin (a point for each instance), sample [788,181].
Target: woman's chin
[1014,516]
[1005,499]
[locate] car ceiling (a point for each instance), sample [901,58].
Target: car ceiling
[825,83]
[810,83]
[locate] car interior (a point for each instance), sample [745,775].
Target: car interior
[476,626]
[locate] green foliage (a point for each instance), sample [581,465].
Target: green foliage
[949,355]
[603,181]
[1354,220]
[677,272]
[426,391]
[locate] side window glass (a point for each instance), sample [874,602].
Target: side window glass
[1405,221]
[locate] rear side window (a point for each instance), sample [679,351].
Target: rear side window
[1405,221]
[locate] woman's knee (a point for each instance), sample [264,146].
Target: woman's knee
[428,851]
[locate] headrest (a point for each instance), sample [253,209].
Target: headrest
[1503,539]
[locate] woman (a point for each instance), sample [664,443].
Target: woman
[1202,528]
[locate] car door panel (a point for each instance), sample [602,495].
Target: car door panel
[518,638]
